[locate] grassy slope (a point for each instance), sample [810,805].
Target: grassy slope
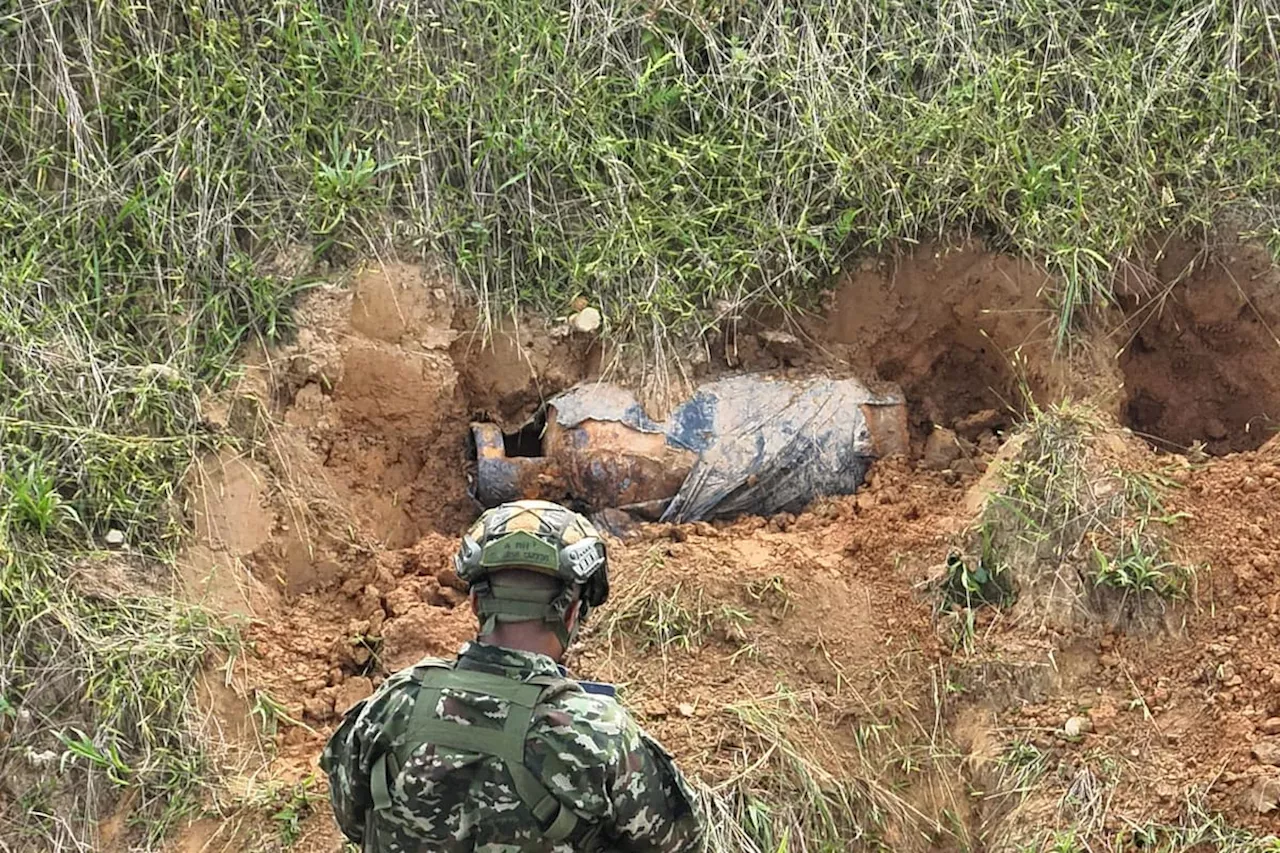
[668,158]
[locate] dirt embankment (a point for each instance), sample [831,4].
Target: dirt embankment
[335,536]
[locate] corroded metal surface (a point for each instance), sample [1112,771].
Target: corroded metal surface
[739,445]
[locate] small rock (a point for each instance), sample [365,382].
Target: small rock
[1215,429]
[448,577]
[1270,726]
[1264,796]
[783,345]
[655,708]
[685,709]
[318,708]
[162,371]
[586,321]
[40,760]
[940,449]
[579,303]
[352,691]
[1077,726]
[967,467]
[1267,751]
[115,538]
[972,426]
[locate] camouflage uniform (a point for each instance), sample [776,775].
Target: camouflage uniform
[584,747]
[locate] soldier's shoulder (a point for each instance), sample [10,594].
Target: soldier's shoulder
[396,693]
[575,716]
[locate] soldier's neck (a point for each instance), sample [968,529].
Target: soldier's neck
[526,637]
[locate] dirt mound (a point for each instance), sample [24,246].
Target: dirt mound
[360,434]
[1201,360]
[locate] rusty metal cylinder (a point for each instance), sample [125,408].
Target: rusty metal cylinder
[743,444]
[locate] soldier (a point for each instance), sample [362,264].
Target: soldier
[499,751]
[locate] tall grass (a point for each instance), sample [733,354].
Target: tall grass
[671,160]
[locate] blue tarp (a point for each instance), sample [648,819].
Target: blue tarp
[764,445]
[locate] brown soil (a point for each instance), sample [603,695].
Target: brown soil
[950,328]
[336,537]
[1201,360]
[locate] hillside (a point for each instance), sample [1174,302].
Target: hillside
[261,265]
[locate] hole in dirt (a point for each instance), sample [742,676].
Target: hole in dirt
[526,441]
[1204,370]
[967,386]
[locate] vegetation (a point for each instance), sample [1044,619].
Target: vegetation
[663,160]
[1069,523]
[788,795]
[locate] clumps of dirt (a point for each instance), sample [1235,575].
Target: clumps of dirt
[1148,719]
[1201,358]
[358,429]
[331,647]
[1216,698]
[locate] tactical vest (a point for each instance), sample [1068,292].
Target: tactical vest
[558,822]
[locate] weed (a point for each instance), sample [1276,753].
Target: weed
[1065,521]
[772,591]
[104,758]
[292,807]
[665,618]
[1135,568]
[662,614]
[985,583]
[788,793]
[270,713]
[1198,829]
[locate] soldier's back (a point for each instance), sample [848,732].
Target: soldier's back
[618,785]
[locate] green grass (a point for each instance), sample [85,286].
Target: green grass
[1068,520]
[670,161]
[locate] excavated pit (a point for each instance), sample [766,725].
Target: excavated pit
[337,537]
[965,334]
[1201,363]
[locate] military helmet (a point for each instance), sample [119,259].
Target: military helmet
[536,536]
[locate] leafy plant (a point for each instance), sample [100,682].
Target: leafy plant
[1138,568]
[80,745]
[291,807]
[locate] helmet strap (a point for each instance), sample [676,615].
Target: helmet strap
[495,605]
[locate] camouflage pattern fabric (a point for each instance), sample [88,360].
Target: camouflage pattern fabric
[584,747]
